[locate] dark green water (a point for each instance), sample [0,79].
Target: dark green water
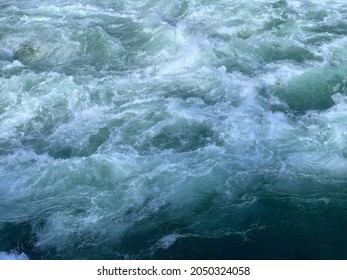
[173,129]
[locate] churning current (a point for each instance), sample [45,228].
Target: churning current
[157,129]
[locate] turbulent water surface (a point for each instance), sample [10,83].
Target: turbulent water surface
[175,129]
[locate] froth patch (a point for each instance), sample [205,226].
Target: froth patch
[13,256]
[167,241]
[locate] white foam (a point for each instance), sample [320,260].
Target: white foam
[13,256]
[167,241]
[14,64]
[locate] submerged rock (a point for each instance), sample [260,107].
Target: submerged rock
[25,53]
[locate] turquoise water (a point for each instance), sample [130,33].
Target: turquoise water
[204,129]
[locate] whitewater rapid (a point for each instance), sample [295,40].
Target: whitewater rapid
[173,129]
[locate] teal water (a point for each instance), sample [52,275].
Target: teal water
[203,129]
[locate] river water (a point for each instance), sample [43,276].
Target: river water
[203,129]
